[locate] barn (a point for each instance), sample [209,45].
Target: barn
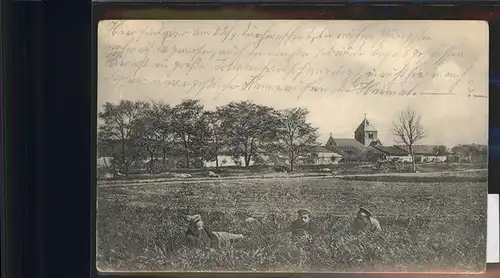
[391,152]
[427,153]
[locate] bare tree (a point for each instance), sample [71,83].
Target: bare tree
[408,130]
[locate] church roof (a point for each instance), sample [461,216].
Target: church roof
[376,143]
[366,125]
[391,150]
[342,143]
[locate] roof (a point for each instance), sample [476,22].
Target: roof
[343,143]
[376,143]
[392,151]
[421,149]
[324,149]
[365,125]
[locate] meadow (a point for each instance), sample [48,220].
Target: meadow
[427,225]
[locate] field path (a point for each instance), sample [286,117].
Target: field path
[420,174]
[124,183]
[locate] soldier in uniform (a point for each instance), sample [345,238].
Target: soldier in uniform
[365,221]
[197,235]
[303,228]
[203,237]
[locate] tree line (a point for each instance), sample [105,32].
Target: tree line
[153,129]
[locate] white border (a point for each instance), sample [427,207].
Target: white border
[492,239]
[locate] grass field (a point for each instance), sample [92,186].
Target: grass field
[427,226]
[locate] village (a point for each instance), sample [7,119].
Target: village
[153,147]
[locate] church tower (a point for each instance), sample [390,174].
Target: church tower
[366,133]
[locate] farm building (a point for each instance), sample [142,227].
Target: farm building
[427,153]
[391,152]
[324,156]
[262,157]
[470,153]
[113,147]
[226,161]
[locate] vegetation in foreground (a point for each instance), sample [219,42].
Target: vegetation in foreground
[427,226]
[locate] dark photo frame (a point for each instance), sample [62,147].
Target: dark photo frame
[276,10]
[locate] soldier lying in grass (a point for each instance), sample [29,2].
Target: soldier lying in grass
[365,221]
[203,237]
[303,229]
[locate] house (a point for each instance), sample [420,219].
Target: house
[226,158]
[318,155]
[471,153]
[226,161]
[427,153]
[174,156]
[325,156]
[391,152]
[261,157]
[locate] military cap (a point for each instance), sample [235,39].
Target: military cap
[364,211]
[194,218]
[303,212]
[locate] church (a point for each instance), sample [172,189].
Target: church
[366,146]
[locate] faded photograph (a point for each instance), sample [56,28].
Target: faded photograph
[292,146]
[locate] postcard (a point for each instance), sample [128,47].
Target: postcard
[292,146]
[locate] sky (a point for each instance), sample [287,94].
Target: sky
[448,119]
